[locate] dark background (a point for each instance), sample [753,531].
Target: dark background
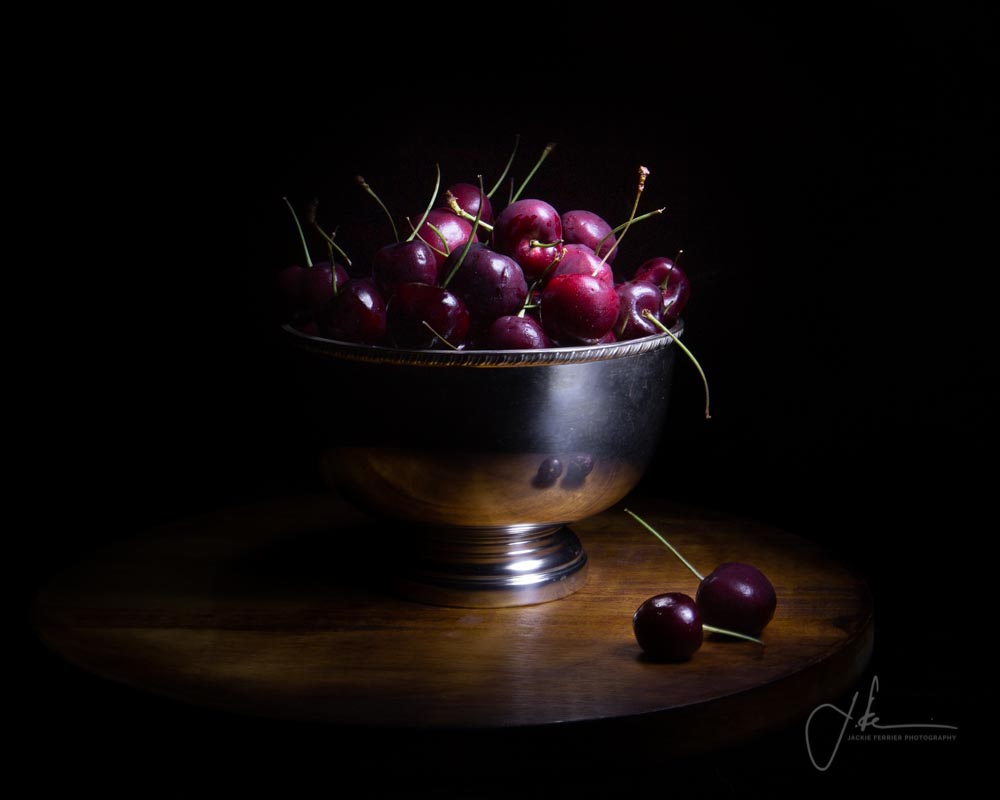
[828,181]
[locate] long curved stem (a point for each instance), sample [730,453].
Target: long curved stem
[364,185]
[673,549]
[506,169]
[650,316]
[724,632]
[643,174]
[430,205]
[302,235]
[545,154]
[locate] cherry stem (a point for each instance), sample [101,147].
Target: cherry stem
[673,549]
[536,243]
[506,169]
[421,238]
[302,235]
[472,235]
[670,272]
[430,205]
[724,632]
[643,174]
[539,281]
[367,188]
[427,325]
[437,231]
[454,206]
[650,316]
[545,154]
[331,243]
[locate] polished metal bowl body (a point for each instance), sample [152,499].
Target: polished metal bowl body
[449,444]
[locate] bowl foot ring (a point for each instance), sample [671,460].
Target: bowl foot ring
[491,567]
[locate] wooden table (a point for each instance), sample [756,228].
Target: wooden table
[278,609]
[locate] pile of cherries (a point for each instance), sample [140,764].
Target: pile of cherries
[464,278]
[735,599]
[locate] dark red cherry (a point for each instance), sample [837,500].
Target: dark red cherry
[468,196]
[317,284]
[420,316]
[403,262]
[738,597]
[634,299]
[673,283]
[581,259]
[490,284]
[585,227]
[530,232]
[356,314]
[578,307]
[454,230]
[668,627]
[512,332]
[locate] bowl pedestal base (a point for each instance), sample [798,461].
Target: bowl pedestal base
[491,567]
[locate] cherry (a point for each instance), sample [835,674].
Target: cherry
[514,332]
[668,627]
[467,196]
[308,288]
[585,227]
[634,299]
[444,232]
[410,261]
[490,284]
[320,283]
[355,314]
[530,232]
[578,307]
[423,316]
[578,468]
[580,258]
[673,283]
[736,596]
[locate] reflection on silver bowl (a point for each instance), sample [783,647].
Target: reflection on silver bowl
[487,456]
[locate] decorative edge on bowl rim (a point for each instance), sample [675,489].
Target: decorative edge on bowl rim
[480,358]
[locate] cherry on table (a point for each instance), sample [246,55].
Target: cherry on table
[668,627]
[736,597]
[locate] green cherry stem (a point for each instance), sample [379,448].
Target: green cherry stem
[724,632]
[545,154]
[506,169]
[643,174]
[672,549]
[461,212]
[471,239]
[437,232]
[430,205]
[364,185]
[618,228]
[649,315]
[427,325]
[302,236]
[422,239]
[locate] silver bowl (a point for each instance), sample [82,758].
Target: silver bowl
[453,447]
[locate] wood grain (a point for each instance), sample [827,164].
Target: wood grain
[284,610]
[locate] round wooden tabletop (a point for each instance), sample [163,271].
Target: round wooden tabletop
[281,609]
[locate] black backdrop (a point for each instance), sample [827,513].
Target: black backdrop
[827,181]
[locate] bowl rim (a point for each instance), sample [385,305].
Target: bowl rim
[353,351]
